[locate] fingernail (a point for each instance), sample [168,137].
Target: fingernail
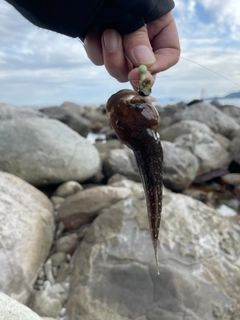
[110,39]
[144,55]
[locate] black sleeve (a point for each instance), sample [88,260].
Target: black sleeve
[75,18]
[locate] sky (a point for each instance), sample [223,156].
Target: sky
[42,68]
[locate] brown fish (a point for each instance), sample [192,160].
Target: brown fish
[135,121]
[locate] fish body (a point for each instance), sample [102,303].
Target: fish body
[135,121]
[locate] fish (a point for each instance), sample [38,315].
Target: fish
[135,121]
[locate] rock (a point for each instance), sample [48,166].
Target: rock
[45,151]
[231,178]
[114,273]
[179,168]
[106,147]
[76,122]
[210,154]
[67,189]
[236,191]
[10,112]
[67,243]
[166,114]
[26,233]
[84,206]
[73,107]
[44,305]
[233,112]
[11,310]
[121,161]
[217,104]
[211,116]
[234,147]
[121,181]
[223,141]
[183,127]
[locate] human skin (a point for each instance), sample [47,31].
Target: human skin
[155,45]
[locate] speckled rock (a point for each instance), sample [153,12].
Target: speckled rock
[45,151]
[84,206]
[179,168]
[13,310]
[114,274]
[26,233]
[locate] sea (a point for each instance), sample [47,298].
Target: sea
[223,101]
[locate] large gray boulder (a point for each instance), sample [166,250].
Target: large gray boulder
[210,153]
[180,166]
[78,123]
[184,127]
[10,309]
[83,206]
[215,119]
[9,112]
[26,233]
[114,273]
[45,151]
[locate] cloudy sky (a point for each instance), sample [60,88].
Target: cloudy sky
[40,68]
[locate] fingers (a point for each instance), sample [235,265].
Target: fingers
[113,55]
[93,48]
[165,42]
[134,78]
[138,48]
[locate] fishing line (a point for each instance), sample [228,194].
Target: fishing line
[210,70]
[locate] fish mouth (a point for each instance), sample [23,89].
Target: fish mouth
[149,157]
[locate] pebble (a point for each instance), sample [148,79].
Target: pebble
[67,189]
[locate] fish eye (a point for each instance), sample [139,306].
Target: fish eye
[119,124]
[139,106]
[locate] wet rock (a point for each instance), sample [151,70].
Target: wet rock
[184,127]
[26,232]
[114,274]
[211,116]
[234,147]
[45,151]
[67,189]
[76,122]
[84,206]
[12,309]
[179,168]
[210,154]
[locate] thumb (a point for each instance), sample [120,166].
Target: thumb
[138,48]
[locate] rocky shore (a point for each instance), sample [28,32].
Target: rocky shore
[74,235]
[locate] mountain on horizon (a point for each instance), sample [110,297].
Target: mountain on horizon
[232,95]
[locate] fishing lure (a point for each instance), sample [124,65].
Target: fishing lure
[135,121]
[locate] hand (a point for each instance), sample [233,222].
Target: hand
[156,45]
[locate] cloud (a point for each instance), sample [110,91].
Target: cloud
[39,67]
